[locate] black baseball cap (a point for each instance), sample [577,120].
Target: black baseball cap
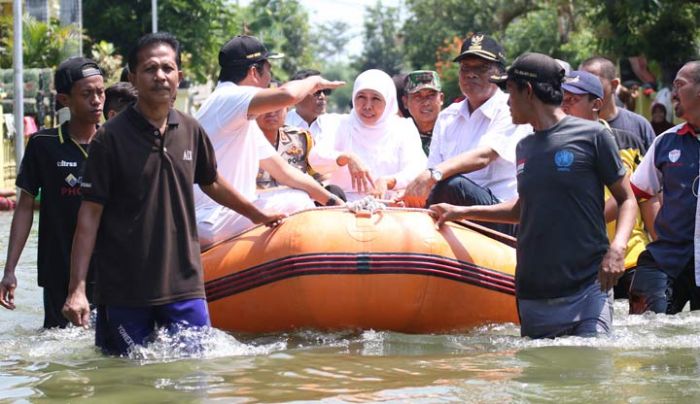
[72,70]
[244,50]
[483,46]
[534,67]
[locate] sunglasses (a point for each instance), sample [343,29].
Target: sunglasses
[325,92]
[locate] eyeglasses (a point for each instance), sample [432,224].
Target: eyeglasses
[479,69]
[325,92]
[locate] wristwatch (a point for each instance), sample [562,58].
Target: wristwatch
[435,174]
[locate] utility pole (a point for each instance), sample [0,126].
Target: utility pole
[18,63]
[154,15]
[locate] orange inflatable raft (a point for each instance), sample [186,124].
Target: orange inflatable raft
[333,269]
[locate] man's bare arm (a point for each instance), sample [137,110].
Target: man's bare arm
[77,309]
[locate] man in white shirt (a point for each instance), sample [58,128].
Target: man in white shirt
[310,113]
[240,147]
[472,153]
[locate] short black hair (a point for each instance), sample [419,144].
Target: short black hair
[607,68]
[236,74]
[304,73]
[151,39]
[118,96]
[547,92]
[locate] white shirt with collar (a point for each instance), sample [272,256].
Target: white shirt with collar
[325,123]
[238,143]
[458,131]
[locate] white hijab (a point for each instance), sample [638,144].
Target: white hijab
[390,146]
[360,134]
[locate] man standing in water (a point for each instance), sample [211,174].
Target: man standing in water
[53,163]
[668,272]
[565,267]
[137,213]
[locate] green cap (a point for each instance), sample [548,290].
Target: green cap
[420,79]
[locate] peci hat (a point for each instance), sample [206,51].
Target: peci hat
[534,67]
[483,46]
[420,79]
[244,50]
[582,82]
[72,70]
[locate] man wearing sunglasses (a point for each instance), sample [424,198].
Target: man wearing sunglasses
[310,113]
[241,95]
[472,152]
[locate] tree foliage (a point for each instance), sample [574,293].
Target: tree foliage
[282,25]
[43,44]
[382,45]
[201,26]
[666,32]
[332,39]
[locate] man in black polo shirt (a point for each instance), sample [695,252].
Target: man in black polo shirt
[138,210]
[566,267]
[52,163]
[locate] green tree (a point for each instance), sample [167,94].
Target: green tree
[332,39]
[666,32]
[432,22]
[201,26]
[282,25]
[382,43]
[43,44]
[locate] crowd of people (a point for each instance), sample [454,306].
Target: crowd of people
[596,199]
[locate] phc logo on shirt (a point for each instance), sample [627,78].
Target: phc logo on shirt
[563,160]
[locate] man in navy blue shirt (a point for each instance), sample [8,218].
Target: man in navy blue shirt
[668,271]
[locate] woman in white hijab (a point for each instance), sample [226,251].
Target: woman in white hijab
[373,151]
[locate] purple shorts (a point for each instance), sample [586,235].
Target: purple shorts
[119,329]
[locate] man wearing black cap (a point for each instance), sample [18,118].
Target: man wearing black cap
[241,149]
[565,266]
[53,163]
[472,153]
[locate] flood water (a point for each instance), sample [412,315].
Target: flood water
[649,359]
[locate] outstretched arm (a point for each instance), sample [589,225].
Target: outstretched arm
[224,194]
[77,309]
[292,92]
[287,175]
[418,190]
[504,212]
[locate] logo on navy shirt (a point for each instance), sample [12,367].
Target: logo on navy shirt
[187,155]
[674,155]
[73,188]
[564,159]
[520,167]
[64,163]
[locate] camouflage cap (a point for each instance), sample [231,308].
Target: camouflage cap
[420,79]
